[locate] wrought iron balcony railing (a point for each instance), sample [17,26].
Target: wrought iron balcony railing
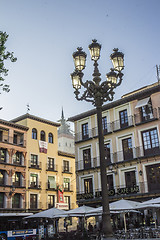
[34,185]
[66,169]
[37,165]
[146,117]
[119,125]
[119,191]
[120,156]
[53,167]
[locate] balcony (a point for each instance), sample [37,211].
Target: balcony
[53,168]
[66,169]
[51,187]
[35,165]
[118,125]
[35,205]
[34,185]
[118,191]
[120,156]
[81,137]
[107,130]
[68,188]
[147,117]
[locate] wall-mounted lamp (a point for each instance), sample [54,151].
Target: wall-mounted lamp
[110,167]
[140,173]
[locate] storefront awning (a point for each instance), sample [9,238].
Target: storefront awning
[142,102]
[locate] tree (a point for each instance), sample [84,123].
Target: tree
[4,56]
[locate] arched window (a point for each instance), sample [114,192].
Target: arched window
[43,136]
[50,138]
[34,133]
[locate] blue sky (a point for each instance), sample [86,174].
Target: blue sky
[43,34]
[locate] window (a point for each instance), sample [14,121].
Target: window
[66,184]
[51,201]
[1,200]
[18,138]
[85,133]
[43,136]
[50,138]
[146,111]
[153,177]
[67,199]
[16,200]
[51,163]
[107,153]
[130,179]
[2,174]
[51,182]
[3,154]
[34,133]
[104,124]
[33,180]
[87,158]
[17,158]
[34,160]
[150,142]
[16,179]
[65,166]
[33,201]
[110,182]
[127,148]
[88,185]
[123,118]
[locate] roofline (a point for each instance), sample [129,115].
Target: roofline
[15,125]
[27,115]
[137,95]
[65,154]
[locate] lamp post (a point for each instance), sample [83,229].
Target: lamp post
[97,93]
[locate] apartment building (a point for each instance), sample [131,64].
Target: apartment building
[47,170]
[131,127]
[12,167]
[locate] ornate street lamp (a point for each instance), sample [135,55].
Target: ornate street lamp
[97,93]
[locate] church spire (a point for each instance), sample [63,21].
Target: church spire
[62,117]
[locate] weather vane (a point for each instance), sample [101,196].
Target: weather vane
[28,108]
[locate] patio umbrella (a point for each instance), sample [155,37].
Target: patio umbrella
[149,206]
[79,212]
[124,206]
[152,201]
[49,213]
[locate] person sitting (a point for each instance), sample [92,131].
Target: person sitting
[90,227]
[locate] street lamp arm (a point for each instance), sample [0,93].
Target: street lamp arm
[120,76]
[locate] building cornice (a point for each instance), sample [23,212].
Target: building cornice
[35,118]
[65,154]
[14,125]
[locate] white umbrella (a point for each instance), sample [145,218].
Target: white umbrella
[80,211]
[50,213]
[124,206]
[152,201]
[149,206]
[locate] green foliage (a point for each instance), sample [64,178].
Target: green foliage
[4,55]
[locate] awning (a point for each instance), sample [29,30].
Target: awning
[142,102]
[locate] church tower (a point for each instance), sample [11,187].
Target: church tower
[65,137]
